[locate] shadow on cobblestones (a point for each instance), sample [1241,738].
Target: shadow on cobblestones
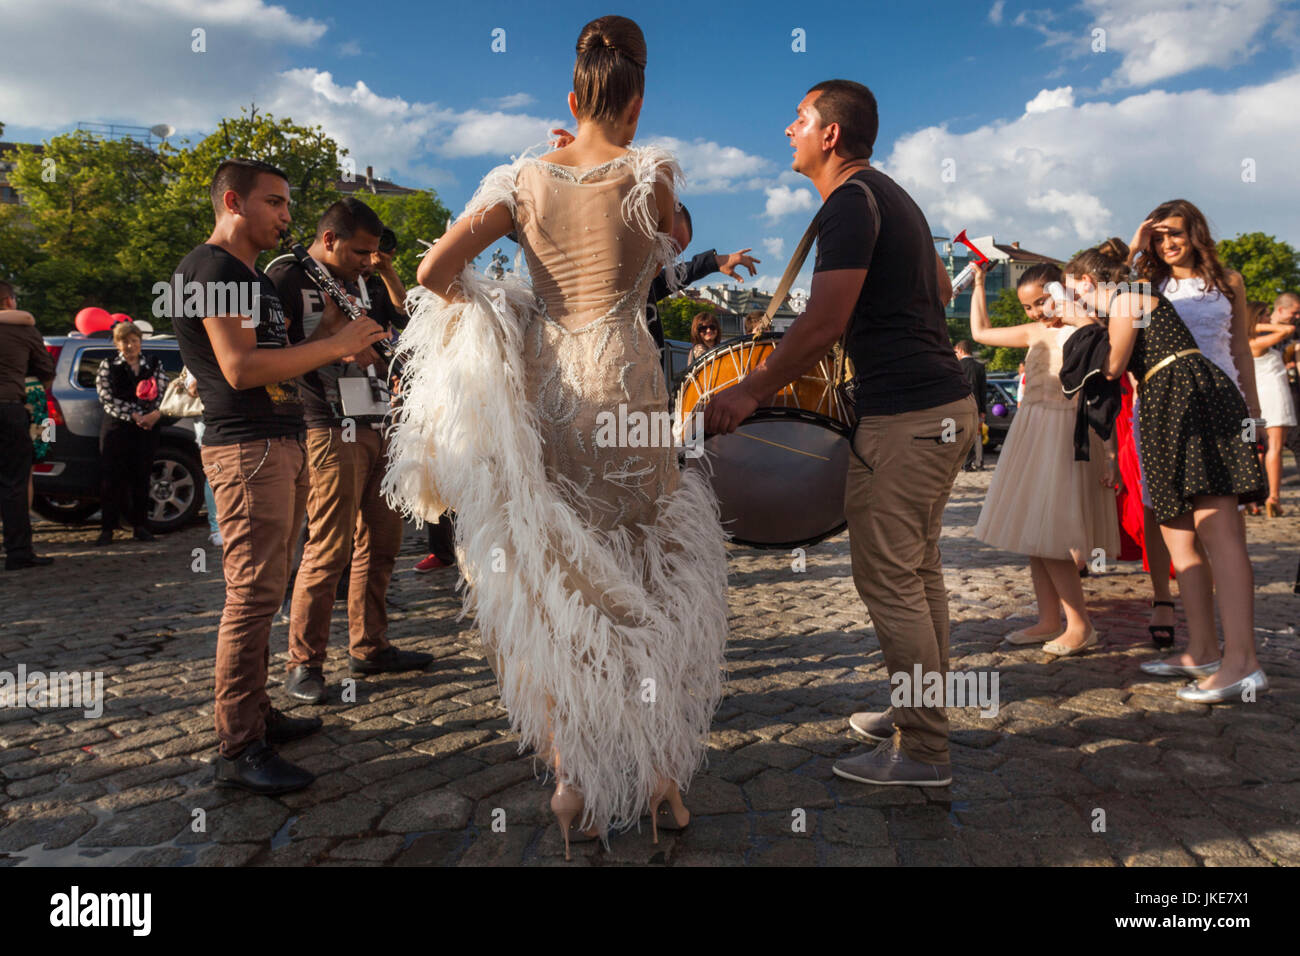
[1086,761]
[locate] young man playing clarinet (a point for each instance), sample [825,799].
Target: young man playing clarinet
[230,327]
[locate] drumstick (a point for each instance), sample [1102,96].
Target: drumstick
[777,444]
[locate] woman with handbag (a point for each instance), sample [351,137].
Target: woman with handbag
[130,388]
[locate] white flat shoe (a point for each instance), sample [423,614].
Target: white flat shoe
[1233,693]
[1020,637]
[1165,669]
[1057,649]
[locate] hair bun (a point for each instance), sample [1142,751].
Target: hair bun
[617,35]
[1114,248]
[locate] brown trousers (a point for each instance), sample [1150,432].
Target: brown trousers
[898,483]
[261,492]
[347,517]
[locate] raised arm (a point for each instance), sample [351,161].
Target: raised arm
[1015,337]
[1268,335]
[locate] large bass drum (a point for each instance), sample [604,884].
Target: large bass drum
[780,476]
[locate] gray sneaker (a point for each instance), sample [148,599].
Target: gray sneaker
[873,726]
[887,766]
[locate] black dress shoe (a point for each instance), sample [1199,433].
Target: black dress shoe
[259,769]
[390,659]
[143,534]
[31,561]
[305,683]
[105,537]
[281,728]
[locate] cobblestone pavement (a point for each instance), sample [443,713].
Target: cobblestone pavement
[419,768]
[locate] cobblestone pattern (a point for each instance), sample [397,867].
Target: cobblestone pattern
[423,769]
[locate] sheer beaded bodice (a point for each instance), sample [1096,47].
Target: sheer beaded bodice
[584,259]
[592,250]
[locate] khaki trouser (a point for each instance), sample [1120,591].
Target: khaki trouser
[898,483]
[261,493]
[347,517]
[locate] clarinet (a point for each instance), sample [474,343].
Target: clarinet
[331,287]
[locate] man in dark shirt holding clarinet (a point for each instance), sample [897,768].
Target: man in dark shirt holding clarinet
[230,325]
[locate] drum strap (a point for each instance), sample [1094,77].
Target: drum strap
[796,263]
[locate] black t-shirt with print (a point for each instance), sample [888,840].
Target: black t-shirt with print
[898,336]
[304,305]
[211,281]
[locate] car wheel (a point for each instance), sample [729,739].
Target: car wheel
[64,510]
[175,489]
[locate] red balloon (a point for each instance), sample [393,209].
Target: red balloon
[93,319]
[120,317]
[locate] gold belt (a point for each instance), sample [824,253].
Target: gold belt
[1167,360]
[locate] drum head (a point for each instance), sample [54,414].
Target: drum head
[779,478]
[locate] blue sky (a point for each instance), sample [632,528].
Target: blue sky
[1047,139]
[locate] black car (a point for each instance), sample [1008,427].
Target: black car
[67,481]
[999,390]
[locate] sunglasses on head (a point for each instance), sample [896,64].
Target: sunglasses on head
[708,328]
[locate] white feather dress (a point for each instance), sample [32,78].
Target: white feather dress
[597,575]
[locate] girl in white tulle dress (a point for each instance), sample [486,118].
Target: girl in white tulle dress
[1041,502]
[596,573]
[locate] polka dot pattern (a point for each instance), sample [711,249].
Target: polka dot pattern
[1191,418]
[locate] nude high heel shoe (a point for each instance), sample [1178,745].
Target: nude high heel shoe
[567,804]
[675,816]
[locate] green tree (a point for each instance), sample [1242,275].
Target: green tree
[676,313]
[1269,267]
[103,220]
[182,218]
[412,216]
[65,245]
[1005,311]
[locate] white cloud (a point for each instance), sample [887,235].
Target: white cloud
[1051,99]
[1057,179]
[713,168]
[514,101]
[774,247]
[70,60]
[476,133]
[1088,217]
[782,200]
[1159,39]
[995,12]
[350,48]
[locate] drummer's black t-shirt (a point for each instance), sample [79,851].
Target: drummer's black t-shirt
[897,338]
[211,281]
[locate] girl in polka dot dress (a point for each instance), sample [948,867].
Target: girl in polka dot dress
[1199,462]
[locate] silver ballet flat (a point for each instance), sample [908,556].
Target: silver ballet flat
[1233,693]
[1165,669]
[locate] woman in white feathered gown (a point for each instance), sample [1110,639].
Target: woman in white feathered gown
[597,573]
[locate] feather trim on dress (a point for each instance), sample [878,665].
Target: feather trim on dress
[609,643]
